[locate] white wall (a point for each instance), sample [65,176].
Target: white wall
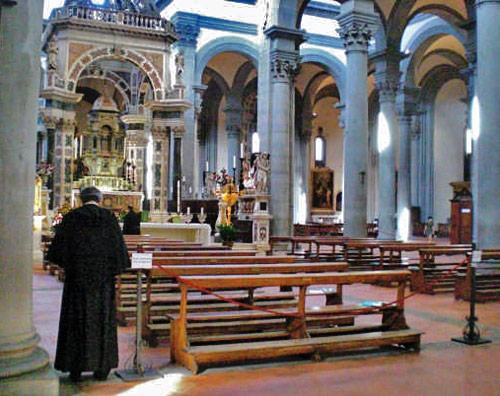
[449,127]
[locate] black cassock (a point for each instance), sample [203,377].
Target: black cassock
[89,246]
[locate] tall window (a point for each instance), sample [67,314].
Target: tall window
[320,149]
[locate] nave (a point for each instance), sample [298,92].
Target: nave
[441,368]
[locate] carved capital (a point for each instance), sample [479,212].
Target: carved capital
[178,132]
[285,69]
[355,36]
[160,132]
[50,122]
[387,90]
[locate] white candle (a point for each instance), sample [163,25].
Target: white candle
[189,211]
[242,150]
[206,166]
[202,210]
[234,161]
[178,196]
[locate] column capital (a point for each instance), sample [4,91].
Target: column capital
[187,28]
[387,90]
[357,21]
[285,66]
[160,132]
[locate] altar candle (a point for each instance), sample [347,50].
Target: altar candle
[234,161]
[189,211]
[178,196]
[206,166]
[202,210]
[242,150]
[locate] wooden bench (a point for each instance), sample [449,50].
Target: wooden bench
[294,337]
[391,253]
[487,278]
[364,254]
[126,286]
[157,307]
[429,276]
[202,253]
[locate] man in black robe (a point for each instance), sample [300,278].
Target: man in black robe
[132,222]
[89,246]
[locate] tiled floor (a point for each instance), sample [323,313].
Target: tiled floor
[441,368]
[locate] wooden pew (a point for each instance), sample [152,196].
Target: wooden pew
[391,254]
[364,254]
[424,276]
[126,295]
[294,338]
[202,253]
[157,307]
[487,278]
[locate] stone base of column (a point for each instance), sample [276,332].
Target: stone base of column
[44,381]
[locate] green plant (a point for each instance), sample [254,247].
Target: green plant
[227,233]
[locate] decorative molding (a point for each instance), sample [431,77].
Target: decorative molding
[322,10]
[324,41]
[387,90]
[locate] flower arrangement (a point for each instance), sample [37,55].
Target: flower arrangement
[227,233]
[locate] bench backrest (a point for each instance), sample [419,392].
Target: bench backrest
[223,260]
[202,253]
[342,278]
[190,270]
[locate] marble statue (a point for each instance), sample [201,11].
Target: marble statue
[52,52]
[262,169]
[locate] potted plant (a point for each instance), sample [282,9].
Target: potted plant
[227,234]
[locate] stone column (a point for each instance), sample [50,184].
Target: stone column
[306,172]
[404,202]
[136,144]
[233,127]
[198,160]
[487,178]
[356,20]
[24,368]
[187,28]
[415,170]
[161,145]
[387,87]
[284,67]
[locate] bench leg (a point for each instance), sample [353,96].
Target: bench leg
[394,319]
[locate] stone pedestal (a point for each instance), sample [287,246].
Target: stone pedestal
[255,208]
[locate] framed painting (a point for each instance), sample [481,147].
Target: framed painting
[322,189]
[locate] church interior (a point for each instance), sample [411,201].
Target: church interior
[289,144]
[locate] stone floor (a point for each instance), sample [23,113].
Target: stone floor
[441,368]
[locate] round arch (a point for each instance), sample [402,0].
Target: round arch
[121,54]
[333,65]
[224,44]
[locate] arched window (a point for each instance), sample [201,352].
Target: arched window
[319,149]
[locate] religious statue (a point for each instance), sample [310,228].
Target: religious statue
[179,66]
[52,52]
[210,184]
[262,169]
[227,198]
[248,172]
